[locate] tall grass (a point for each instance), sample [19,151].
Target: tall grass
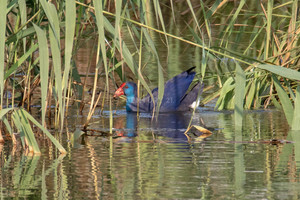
[38,41]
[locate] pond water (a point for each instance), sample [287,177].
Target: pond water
[145,160]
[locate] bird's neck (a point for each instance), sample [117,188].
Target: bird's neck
[131,101]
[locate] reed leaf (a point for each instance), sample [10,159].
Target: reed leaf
[8,127]
[20,35]
[28,132]
[10,5]
[2,48]
[23,15]
[4,111]
[20,61]
[226,89]
[269,27]
[47,133]
[251,93]
[240,83]
[285,100]
[160,16]
[101,35]
[56,58]
[193,14]
[70,31]
[44,67]
[18,125]
[48,11]
[281,71]
[296,117]
[69,37]
[161,84]
[233,19]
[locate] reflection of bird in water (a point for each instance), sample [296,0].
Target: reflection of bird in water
[171,125]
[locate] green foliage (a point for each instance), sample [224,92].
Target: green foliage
[244,76]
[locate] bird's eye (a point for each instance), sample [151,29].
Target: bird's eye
[125,86]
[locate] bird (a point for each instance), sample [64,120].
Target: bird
[177,95]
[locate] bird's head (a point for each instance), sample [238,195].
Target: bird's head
[127,89]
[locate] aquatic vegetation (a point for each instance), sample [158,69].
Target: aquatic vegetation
[249,58]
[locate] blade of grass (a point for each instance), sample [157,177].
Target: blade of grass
[44,67]
[281,71]
[227,88]
[48,134]
[23,13]
[251,93]
[8,127]
[10,5]
[101,48]
[70,32]
[46,7]
[229,27]
[269,26]
[20,61]
[240,83]
[28,132]
[193,14]
[296,117]
[285,100]
[56,59]
[2,48]
[161,84]
[4,111]
[160,16]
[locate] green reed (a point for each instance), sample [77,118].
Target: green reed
[39,39]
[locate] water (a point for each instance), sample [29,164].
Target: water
[155,161]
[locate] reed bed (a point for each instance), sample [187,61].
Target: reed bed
[38,41]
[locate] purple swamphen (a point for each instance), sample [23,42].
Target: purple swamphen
[176,96]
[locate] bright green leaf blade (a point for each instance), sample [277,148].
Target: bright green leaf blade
[18,124]
[28,132]
[101,35]
[233,19]
[251,94]
[70,31]
[296,117]
[161,19]
[269,27]
[4,112]
[281,71]
[161,84]
[8,127]
[53,140]
[44,67]
[21,60]
[285,100]
[23,13]
[10,5]
[240,84]
[56,57]
[47,10]
[2,47]
[69,38]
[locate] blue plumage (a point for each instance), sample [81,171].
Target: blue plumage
[175,96]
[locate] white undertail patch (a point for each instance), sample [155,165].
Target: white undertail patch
[195,104]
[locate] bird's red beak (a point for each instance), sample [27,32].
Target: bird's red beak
[119,91]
